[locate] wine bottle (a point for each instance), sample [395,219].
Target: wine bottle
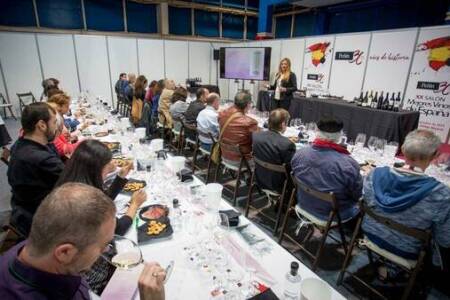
[391,102]
[364,99]
[397,102]
[360,99]
[380,101]
[374,101]
[385,105]
[369,100]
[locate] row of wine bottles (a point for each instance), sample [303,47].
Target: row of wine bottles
[379,101]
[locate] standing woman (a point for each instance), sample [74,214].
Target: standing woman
[285,85]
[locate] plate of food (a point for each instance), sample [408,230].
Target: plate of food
[155,229]
[133,185]
[113,146]
[121,161]
[101,134]
[153,212]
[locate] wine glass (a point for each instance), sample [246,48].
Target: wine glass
[372,143]
[380,145]
[343,139]
[360,140]
[123,253]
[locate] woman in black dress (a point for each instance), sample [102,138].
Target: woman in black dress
[284,86]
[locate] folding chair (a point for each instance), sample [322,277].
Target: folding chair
[6,105]
[25,99]
[323,226]
[272,195]
[206,152]
[177,133]
[243,167]
[412,267]
[191,139]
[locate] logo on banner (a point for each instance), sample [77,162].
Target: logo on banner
[315,77]
[352,57]
[318,52]
[439,52]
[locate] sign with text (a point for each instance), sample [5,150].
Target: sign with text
[316,63]
[390,57]
[428,88]
[347,71]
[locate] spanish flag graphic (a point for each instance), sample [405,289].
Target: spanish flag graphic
[439,52]
[318,52]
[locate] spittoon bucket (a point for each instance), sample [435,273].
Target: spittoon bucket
[314,289]
[213,195]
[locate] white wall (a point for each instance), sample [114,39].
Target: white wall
[99,60]
[20,63]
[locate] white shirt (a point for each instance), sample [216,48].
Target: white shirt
[207,122]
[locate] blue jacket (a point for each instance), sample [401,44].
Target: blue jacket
[326,170]
[411,199]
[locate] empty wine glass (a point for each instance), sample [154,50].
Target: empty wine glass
[343,139]
[379,146]
[372,143]
[360,140]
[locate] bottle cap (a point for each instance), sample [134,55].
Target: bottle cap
[175,203]
[294,268]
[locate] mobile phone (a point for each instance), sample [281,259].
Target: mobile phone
[169,270]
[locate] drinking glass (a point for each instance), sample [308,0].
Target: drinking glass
[372,143]
[360,140]
[379,146]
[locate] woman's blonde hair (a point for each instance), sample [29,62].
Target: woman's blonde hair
[59,99]
[285,76]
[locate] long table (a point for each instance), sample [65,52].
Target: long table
[392,126]
[185,281]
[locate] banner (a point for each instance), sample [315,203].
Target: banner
[428,88]
[349,62]
[316,63]
[389,60]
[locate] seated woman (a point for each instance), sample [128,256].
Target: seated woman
[91,163]
[179,106]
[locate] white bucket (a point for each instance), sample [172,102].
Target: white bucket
[177,163]
[314,289]
[125,121]
[140,132]
[213,195]
[157,144]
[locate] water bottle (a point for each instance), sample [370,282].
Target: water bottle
[176,216]
[292,283]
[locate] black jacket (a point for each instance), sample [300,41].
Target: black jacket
[194,108]
[32,172]
[271,147]
[290,85]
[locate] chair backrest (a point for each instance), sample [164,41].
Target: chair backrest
[230,147]
[26,98]
[206,135]
[423,236]
[324,196]
[270,166]
[3,99]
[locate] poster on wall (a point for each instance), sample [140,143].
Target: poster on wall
[428,88]
[349,63]
[390,56]
[316,64]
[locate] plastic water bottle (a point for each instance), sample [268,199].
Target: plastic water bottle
[176,216]
[292,283]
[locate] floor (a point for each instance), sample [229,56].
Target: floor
[332,259]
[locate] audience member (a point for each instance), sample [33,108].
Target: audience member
[137,104]
[70,231]
[150,91]
[409,197]
[207,121]
[47,84]
[179,106]
[164,103]
[237,127]
[129,88]
[195,107]
[272,147]
[34,167]
[120,85]
[326,166]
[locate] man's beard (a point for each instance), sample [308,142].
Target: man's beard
[50,135]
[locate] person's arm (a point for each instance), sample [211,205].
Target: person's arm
[289,154]
[120,181]
[124,223]
[275,82]
[292,84]
[356,185]
[441,224]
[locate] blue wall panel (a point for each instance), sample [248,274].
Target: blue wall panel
[232,26]
[104,15]
[17,13]
[141,17]
[283,27]
[63,14]
[304,24]
[252,27]
[206,23]
[180,21]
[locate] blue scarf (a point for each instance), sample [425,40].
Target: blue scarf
[395,193]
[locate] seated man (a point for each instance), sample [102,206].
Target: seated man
[207,121]
[70,230]
[409,197]
[128,88]
[195,107]
[326,166]
[272,147]
[34,167]
[237,128]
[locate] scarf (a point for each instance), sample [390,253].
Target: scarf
[320,143]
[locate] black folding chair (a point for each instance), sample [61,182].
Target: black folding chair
[25,99]
[5,104]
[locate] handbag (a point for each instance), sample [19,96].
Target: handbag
[136,110]
[215,151]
